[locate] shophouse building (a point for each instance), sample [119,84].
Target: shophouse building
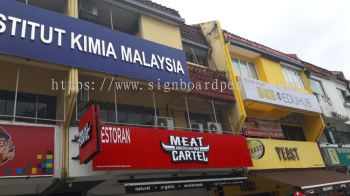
[332,91]
[279,115]
[91,102]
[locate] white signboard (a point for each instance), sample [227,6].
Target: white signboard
[268,93]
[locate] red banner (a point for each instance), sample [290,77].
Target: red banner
[88,135]
[128,148]
[26,151]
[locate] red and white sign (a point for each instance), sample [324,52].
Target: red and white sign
[298,193]
[88,134]
[263,128]
[26,151]
[132,148]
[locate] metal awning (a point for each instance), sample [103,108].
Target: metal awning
[310,181]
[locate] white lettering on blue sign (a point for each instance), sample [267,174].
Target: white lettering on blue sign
[35,33]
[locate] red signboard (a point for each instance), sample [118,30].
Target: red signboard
[26,151]
[88,134]
[131,148]
[263,128]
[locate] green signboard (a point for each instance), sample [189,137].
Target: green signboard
[336,156]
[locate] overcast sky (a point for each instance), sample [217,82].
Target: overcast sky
[318,31]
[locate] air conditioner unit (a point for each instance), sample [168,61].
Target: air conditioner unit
[214,127]
[197,126]
[88,7]
[165,122]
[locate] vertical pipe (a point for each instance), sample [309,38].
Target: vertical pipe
[212,103]
[155,108]
[27,1]
[16,94]
[36,108]
[115,105]
[76,108]
[188,113]
[64,98]
[111,18]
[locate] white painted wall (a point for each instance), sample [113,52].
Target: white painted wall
[330,88]
[75,168]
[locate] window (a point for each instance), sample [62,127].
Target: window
[46,107]
[200,118]
[53,5]
[26,105]
[6,102]
[345,137]
[107,111]
[135,115]
[293,77]
[332,135]
[342,94]
[110,16]
[245,69]
[196,55]
[293,133]
[36,106]
[29,106]
[316,87]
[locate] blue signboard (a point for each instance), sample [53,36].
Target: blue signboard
[35,33]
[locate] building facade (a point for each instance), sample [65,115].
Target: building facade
[92,102]
[278,114]
[124,98]
[331,89]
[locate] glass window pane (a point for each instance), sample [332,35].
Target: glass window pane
[26,105]
[46,107]
[236,66]
[341,94]
[286,75]
[135,118]
[244,69]
[293,77]
[122,115]
[300,83]
[6,102]
[243,62]
[107,112]
[252,70]
[316,87]
[148,116]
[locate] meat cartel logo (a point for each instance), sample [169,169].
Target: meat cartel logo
[184,149]
[84,134]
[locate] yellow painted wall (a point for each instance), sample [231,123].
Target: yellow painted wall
[268,71]
[160,32]
[271,72]
[313,127]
